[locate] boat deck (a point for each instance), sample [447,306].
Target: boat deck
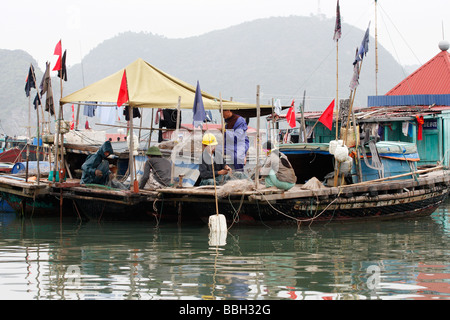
[72,190]
[10,182]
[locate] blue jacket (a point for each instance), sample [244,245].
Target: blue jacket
[241,144]
[94,162]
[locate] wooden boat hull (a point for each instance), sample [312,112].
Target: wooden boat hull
[377,201]
[42,206]
[103,204]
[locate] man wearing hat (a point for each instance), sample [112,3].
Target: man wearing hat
[212,160]
[157,171]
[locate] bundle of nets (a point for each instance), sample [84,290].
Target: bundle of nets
[236,186]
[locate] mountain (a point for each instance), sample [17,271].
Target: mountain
[284,55]
[13,102]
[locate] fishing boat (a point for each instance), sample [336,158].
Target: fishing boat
[404,191]
[373,181]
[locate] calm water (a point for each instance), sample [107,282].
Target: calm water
[44,259]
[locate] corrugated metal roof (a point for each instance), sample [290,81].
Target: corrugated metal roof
[430,79]
[410,100]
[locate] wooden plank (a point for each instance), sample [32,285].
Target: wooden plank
[355,189]
[21,184]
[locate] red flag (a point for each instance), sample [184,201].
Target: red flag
[58,52]
[58,49]
[290,117]
[327,116]
[420,122]
[72,123]
[123,92]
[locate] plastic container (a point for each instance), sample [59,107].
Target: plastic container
[21,167]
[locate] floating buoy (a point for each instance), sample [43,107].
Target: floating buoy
[217,223]
[333,145]
[341,153]
[217,239]
[218,230]
[346,166]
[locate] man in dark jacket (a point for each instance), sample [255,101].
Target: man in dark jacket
[212,160]
[157,171]
[96,167]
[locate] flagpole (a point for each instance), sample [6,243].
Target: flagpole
[29,134]
[222,125]
[38,133]
[376,48]
[337,36]
[303,118]
[337,87]
[61,166]
[352,100]
[151,129]
[177,129]
[56,165]
[258,142]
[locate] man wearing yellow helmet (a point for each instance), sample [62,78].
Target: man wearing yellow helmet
[212,160]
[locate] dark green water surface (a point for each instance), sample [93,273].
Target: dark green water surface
[49,259]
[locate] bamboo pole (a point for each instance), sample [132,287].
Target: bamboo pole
[140,125]
[338,164]
[177,128]
[395,177]
[134,186]
[29,136]
[357,158]
[350,112]
[143,128]
[131,148]
[337,88]
[302,109]
[38,135]
[258,137]
[222,126]
[151,129]
[376,48]
[214,179]
[37,148]
[61,164]
[58,133]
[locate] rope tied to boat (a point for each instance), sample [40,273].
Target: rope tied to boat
[303,220]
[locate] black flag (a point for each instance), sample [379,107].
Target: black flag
[46,87]
[63,72]
[30,81]
[37,101]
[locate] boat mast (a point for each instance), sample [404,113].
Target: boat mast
[336,37]
[376,49]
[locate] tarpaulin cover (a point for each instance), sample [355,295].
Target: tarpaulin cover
[148,87]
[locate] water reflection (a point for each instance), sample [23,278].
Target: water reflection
[46,259]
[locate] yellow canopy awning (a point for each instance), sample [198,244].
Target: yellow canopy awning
[149,87]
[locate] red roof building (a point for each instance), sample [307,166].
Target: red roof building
[432,78]
[427,86]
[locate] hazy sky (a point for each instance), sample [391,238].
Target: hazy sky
[409,29]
